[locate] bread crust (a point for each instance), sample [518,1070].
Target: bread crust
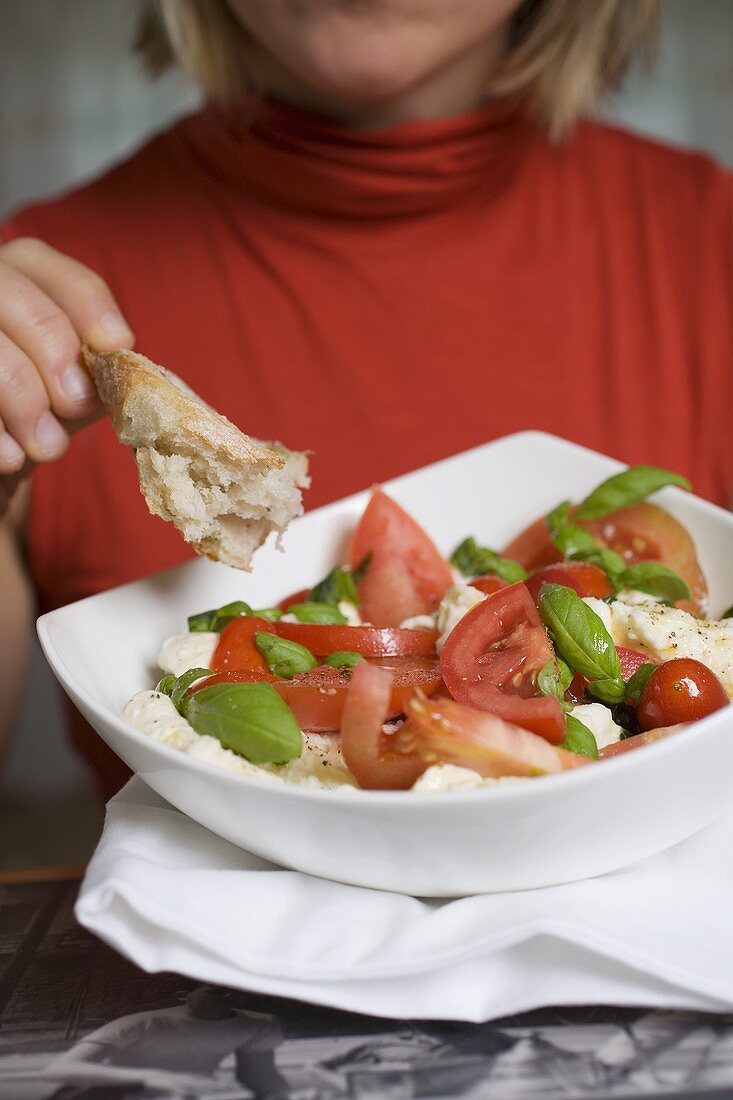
[224,491]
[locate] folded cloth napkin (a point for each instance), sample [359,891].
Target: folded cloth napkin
[172,896]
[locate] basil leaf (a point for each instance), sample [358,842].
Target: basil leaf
[554,679]
[579,739]
[727,614]
[344,658]
[656,580]
[250,719]
[637,683]
[340,584]
[269,614]
[316,613]
[611,690]
[284,658]
[165,685]
[473,561]
[573,542]
[218,618]
[558,517]
[612,564]
[183,682]
[579,635]
[626,488]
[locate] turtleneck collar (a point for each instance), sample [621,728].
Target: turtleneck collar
[306,164]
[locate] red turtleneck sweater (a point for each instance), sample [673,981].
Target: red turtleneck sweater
[386,299]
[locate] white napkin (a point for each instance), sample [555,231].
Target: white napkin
[172,896]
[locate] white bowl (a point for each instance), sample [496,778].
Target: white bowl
[538,833]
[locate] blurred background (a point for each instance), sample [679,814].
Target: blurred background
[73,99]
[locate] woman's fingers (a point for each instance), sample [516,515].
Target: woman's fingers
[25,406]
[78,292]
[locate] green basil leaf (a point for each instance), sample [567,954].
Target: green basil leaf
[637,683]
[579,739]
[183,682]
[473,561]
[343,658]
[316,613]
[558,517]
[553,679]
[165,686]
[574,542]
[626,488]
[218,618]
[656,580]
[727,614]
[250,719]
[612,564]
[340,584]
[611,690]
[284,658]
[579,635]
[269,614]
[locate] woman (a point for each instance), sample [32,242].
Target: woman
[388,238]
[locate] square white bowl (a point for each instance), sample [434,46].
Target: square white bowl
[554,829]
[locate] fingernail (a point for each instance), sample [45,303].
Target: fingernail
[10,453]
[50,436]
[76,383]
[113,324]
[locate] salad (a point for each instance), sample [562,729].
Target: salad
[584,638]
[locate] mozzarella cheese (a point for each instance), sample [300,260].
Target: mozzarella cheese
[183,651]
[319,765]
[599,721]
[666,632]
[419,622]
[457,602]
[450,777]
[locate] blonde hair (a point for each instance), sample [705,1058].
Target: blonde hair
[562,56]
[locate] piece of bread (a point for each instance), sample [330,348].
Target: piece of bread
[223,491]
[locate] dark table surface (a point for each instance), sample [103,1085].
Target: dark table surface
[79,1021]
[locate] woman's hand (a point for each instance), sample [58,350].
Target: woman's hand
[49,304]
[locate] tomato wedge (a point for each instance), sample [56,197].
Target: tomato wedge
[370,754]
[491,659]
[639,740]
[488,584]
[585,579]
[533,548]
[631,661]
[317,698]
[443,731]
[370,641]
[407,575]
[236,650]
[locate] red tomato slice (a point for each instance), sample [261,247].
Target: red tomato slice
[407,574]
[237,650]
[317,697]
[370,641]
[370,754]
[491,659]
[646,532]
[638,741]
[443,731]
[587,580]
[296,598]
[488,584]
[631,661]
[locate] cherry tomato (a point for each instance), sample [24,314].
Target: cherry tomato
[317,698]
[638,741]
[586,579]
[237,650]
[488,584]
[681,690]
[407,575]
[370,641]
[643,532]
[443,731]
[370,754]
[490,661]
[296,598]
